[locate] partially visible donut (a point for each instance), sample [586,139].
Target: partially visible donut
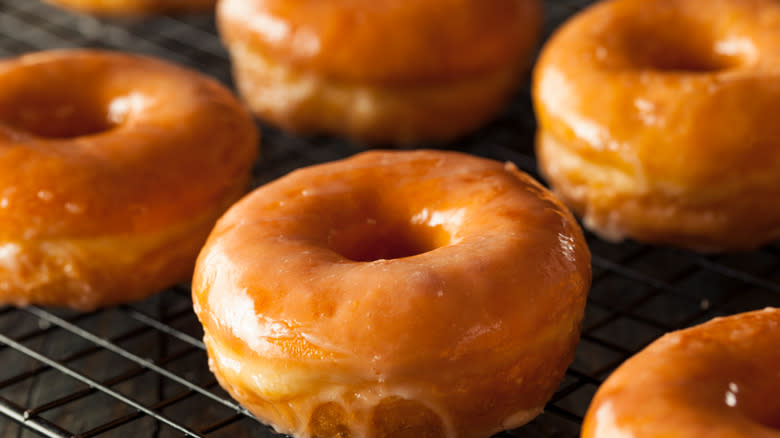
[394,294]
[718,379]
[113,169]
[658,120]
[380,71]
[136,7]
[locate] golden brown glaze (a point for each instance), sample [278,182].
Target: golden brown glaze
[136,7]
[379,71]
[719,379]
[114,168]
[658,120]
[403,294]
[305,102]
[386,40]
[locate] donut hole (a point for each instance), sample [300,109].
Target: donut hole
[54,113]
[682,58]
[760,400]
[375,240]
[766,415]
[680,48]
[689,62]
[771,421]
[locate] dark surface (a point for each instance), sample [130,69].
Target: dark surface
[140,370]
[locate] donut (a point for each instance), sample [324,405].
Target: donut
[379,71]
[136,7]
[394,294]
[658,121]
[718,379]
[113,170]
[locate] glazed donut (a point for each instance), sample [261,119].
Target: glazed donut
[113,170]
[394,294]
[379,71]
[718,379]
[136,7]
[658,120]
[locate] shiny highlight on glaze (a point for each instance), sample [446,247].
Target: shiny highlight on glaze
[657,120]
[720,378]
[113,169]
[474,328]
[381,72]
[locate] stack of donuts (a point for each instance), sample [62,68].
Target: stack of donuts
[410,293]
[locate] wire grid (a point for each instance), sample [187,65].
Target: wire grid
[141,369]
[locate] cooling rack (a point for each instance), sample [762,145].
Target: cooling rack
[141,370]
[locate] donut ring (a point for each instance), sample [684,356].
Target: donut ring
[379,71]
[717,379]
[136,7]
[403,294]
[659,122]
[113,169]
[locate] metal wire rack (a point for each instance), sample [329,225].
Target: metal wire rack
[141,369]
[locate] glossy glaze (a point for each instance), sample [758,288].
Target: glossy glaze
[719,379]
[382,72]
[473,321]
[136,7]
[657,120]
[384,40]
[100,147]
[306,102]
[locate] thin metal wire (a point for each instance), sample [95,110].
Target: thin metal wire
[163,327]
[736,274]
[131,417]
[40,425]
[70,358]
[107,345]
[91,383]
[618,320]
